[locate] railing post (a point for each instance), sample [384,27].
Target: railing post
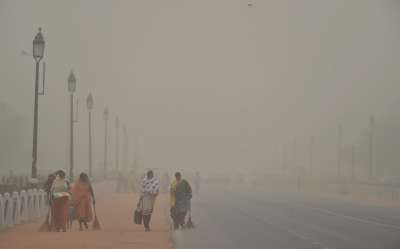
[16,207]
[2,221]
[8,210]
[30,205]
[36,203]
[23,208]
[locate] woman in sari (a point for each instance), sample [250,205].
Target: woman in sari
[181,194]
[60,194]
[149,192]
[83,197]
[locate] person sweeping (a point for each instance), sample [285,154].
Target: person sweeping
[83,198]
[181,194]
[96,223]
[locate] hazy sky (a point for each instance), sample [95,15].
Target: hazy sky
[203,84]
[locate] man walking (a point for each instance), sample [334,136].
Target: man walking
[150,190]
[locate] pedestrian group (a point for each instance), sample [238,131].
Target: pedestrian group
[180,198]
[70,202]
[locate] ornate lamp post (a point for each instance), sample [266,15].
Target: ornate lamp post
[126,148]
[106,117]
[71,89]
[38,53]
[339,151]
[89,104]
[371,147]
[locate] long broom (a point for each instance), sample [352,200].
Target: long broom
[96,223]
[46,226]
[189,223]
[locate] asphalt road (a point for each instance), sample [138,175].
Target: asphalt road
[258,219]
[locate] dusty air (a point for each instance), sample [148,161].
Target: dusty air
[200,124]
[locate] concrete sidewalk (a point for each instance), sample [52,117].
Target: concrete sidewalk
[118,231]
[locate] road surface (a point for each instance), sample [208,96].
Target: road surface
[257,219]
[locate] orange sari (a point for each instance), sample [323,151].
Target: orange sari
[59,210]
[81,196]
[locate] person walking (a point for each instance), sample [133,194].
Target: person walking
[149,191]
[60,194]
[83,198]
[47,186]
[181,195]
[48,223]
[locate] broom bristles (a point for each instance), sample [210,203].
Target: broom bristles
[189,224]
[45,227]
[96,224]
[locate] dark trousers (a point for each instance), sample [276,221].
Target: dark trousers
[179,220]
[146,221]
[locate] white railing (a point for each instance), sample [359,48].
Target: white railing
[22,207]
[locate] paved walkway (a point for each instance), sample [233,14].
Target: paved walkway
[118,230]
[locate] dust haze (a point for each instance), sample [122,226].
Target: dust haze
[226,87]
[300,96]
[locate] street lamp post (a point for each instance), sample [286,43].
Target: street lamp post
[294,154]
[284,158]
[89,104]
[136,154]
[126,147]
[106,117]
[117,144]
[339,151]
[371,144]
[71,89]
[38,53]
[311,154]
[353,163]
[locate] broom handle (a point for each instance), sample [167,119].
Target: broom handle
[48,214]
[190,209]
[94,210]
